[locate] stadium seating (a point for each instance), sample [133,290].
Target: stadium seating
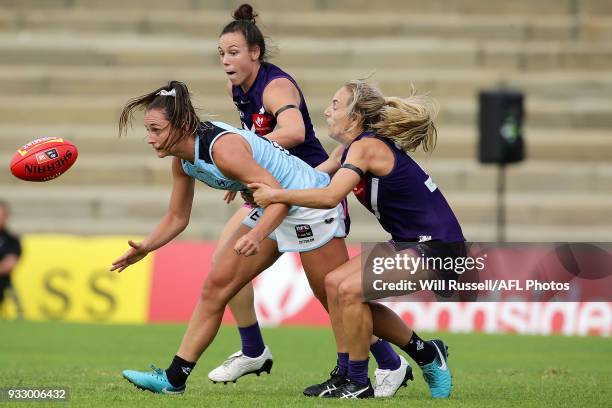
[68,66]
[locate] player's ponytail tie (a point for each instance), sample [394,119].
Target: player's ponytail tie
[163,92]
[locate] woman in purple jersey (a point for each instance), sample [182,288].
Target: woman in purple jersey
[377,134]
[272,105]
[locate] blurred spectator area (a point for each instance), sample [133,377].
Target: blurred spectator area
[68,66]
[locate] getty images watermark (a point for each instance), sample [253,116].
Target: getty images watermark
[427,271]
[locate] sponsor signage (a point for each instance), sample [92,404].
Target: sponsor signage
[66,278]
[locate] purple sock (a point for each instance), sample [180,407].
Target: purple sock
[358,371]
[252,342]
[386,357]
[343,363]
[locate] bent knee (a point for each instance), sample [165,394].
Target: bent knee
[350,292]
[216,289]
[332,282]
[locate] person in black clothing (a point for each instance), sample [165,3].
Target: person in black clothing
[10,251]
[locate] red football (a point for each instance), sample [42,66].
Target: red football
[43,159]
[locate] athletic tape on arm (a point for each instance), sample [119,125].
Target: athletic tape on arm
[284,108]
[354,168]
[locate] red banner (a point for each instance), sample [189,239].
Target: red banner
[283,296]
[179,269]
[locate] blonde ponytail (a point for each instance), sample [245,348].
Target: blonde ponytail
[409,122]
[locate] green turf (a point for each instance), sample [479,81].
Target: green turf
[489,371]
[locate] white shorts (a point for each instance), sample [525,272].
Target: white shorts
[304,229]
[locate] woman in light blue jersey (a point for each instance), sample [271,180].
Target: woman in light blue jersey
[227,158]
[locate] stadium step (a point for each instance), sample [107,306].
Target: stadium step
[316,23]
[70,65]
[463,7]
[440,83]
[55,109]
[90,49]
[542,144]
[55,200]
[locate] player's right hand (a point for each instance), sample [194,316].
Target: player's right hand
[133,255]
[262,194]
[247,245]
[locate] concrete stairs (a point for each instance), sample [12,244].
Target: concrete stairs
[68,66]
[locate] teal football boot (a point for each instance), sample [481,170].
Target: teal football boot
[437,374]
[155,381]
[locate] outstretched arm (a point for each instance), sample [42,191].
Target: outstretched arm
[173,223]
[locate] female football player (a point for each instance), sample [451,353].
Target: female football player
[271,104]
[227,158]
[377,134]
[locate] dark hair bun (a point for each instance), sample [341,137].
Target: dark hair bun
[244,12]
[244,23]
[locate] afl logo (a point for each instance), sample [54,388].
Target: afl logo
[303,231]
[46,156]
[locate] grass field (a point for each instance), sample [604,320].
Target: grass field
[499,371]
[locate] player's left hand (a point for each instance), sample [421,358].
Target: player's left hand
[247,245]
[262,194]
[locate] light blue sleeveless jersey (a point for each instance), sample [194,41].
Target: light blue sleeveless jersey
[290,171]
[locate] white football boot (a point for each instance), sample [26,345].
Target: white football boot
[389,381]
[238,365]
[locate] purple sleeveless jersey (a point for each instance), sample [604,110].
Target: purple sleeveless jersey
[255,118]
[407,202]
